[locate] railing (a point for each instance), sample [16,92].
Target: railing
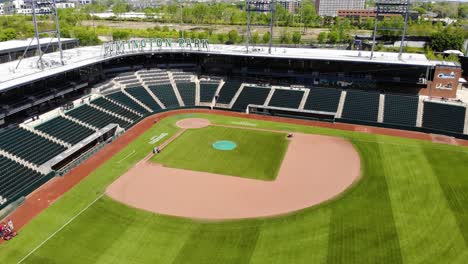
[86,155]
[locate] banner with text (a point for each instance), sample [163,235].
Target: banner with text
[148,44]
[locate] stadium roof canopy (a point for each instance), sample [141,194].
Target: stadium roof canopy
[20,45]
[10,76]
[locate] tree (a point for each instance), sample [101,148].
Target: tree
[463,11]
[173,12]
[233,37]
[255,38]
[392,22]
[199,12]
[450,38]
[446,10]
[339,31]
[120,8]
[221,37]
[309,14]
[322,37]
[296,37]
[8,34]
[266,37]
[86,36]
[94,8]
[333,37]
[120,35]
[285,37]
[420,10]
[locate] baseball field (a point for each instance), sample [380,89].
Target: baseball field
[409,205]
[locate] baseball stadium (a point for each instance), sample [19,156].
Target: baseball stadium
[137,152]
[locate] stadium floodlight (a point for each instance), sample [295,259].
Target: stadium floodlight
[44,7]
[261,6]
[386,7]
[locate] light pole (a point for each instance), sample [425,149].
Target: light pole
[181,18]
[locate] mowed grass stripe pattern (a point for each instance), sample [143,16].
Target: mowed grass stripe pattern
[258,154]
[363,230]
[410,194]
[427,229]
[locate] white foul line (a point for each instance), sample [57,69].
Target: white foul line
[133,152]
[63,226]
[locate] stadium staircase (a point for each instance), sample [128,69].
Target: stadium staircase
[304,99]
[136,101]
[176,91]
[143,77]
[419,116]
[339,110]
[465,131]
[21,161]
[207,91]
[218,89]
[380,115]
[123,99]
[155,98]
[46,136]
[95,117]
[270,95]
[187,92]
[197,91]
[236,96]
[128,109]
[79,122]
[165,93]
[65,130]
[29,146]
[15,177]
[250,95]
[142,95]
[226,93]
[99,108]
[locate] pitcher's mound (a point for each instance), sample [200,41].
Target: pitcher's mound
[193,123]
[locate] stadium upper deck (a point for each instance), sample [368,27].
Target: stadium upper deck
[27,71]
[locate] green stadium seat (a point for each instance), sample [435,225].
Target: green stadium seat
[109,106]
[187,92]
[251,95]
[444,117]
[94,117]
[286,98]
[362,106]
[166,95]
[29,146]
[65,130]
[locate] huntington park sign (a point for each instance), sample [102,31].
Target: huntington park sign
[128,46]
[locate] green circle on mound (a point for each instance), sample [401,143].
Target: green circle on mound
[224,145]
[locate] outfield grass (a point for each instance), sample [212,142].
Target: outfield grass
[258,154]
[410,206]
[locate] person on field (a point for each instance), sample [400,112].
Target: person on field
[10,225]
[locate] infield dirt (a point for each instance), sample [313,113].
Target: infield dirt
[308,176]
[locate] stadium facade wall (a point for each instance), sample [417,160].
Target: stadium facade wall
[445,82]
